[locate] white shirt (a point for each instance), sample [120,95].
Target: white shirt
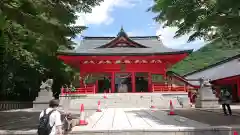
[54,119]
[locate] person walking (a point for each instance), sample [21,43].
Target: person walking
[50,120]
[225,99]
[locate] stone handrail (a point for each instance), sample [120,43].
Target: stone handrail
[10,105]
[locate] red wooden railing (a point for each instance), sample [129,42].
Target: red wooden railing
[166,88]
[88,89]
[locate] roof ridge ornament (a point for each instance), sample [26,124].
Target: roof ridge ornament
[122,32]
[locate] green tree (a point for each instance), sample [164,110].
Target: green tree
[207,19]
[31,32]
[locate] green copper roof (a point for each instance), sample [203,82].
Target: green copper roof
[122,32]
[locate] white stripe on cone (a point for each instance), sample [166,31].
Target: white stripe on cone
[82,116]
[171,109]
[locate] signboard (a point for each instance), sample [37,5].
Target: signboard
[122,67]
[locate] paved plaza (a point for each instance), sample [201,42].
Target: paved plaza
[124,114]
[134,120]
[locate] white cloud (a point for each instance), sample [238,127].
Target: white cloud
[102,14]
[167,34]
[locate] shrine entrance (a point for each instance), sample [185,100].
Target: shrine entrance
[123,82]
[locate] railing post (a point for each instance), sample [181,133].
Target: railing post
[62,91]
[153,87]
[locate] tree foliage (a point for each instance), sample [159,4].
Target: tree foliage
[207,19]
[31,32]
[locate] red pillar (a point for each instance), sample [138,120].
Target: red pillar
[81,79]
[133,82]
[96,86]
[149,82]
[238,87]
[113,82]
[234,93]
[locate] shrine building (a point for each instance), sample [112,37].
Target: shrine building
[120,56]
[224,74]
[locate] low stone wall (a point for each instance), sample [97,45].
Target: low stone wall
[10,105]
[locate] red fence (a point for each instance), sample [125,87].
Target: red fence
[165,88]
[88,89]
[91,89]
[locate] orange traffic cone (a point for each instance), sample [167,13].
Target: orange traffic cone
[171,109]
[235,133]
[99,108]
[105,95]
[82,121]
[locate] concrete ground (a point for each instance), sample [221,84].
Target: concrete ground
[213,117]
[139,121]
[25,119]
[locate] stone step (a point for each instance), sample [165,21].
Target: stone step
[162,131]
[119,100]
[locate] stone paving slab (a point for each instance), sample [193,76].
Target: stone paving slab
[136,118]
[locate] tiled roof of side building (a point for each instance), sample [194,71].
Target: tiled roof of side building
[223,69]
[89,45]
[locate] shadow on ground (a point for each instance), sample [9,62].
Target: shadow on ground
[162,119]
[22,120]
[195,118]
[18,120]
[210,117]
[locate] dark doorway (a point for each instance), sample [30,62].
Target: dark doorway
[141,84]
[104,85]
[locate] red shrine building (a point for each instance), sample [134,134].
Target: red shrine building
[120,56]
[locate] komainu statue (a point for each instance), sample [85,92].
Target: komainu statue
[204,82]
[47,85]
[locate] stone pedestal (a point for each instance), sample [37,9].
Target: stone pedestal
[206,98]
[42,101]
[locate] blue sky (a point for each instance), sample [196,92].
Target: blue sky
[107,19]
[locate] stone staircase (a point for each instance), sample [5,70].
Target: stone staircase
[118,100]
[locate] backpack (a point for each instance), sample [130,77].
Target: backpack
[44,127]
